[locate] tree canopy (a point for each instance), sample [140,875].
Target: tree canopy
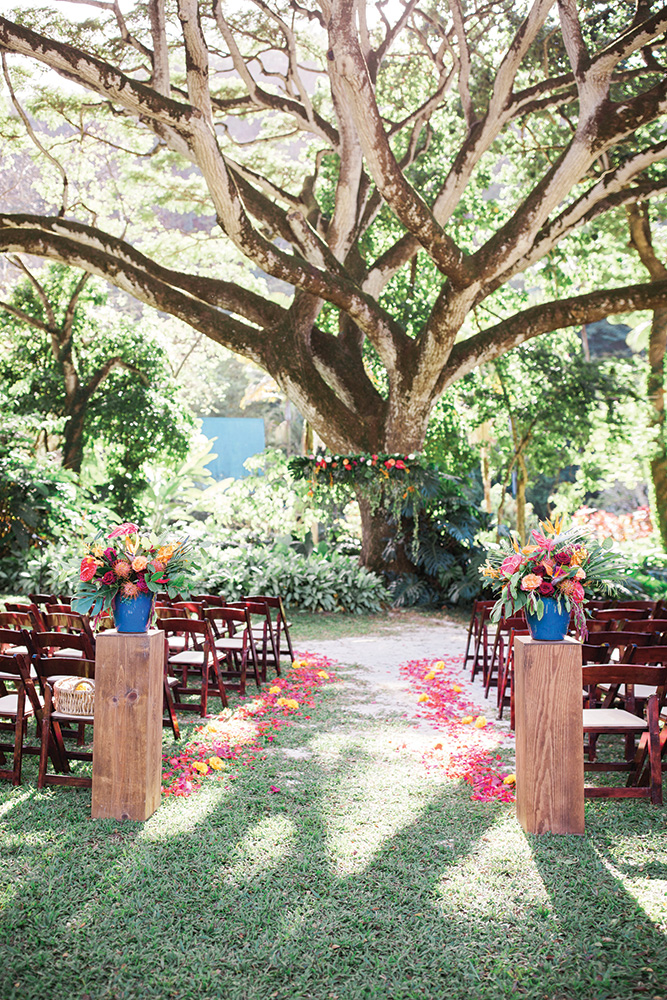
[400,178]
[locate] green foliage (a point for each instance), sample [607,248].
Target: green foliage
[132,414]
[313,583]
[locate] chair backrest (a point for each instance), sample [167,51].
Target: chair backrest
[224,620]
[18,666]
[32,610]
[271,602]
[637,606]
[15,619]
[64,666]
[646,654]
[615,674]
[67,621]
[47,644]
[516,622]
[595,653]
[605,604]
[652,625]
[619,639]
[167,611]
[185,626]
[10,637]
[210,600]
[41,599]
[619,614]
[193,609]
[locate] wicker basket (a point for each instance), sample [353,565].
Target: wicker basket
[70,701]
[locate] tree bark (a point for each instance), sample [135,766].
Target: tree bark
[656,395]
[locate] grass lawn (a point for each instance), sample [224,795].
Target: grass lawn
[361,878]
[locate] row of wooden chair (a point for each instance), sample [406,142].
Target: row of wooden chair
[206,639]
[624,676]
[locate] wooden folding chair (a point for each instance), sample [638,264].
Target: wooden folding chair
[494,664]
[17,708]
[599,721]
[506,676]
[263,633]
[188,661]
[474,635]
[281,626]
[51,670]
[235,642]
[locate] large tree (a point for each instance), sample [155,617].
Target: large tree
[408,121]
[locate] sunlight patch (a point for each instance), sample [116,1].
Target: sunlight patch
[262,846]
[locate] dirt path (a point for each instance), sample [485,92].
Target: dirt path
[385,693]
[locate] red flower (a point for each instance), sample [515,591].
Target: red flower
[88,568]
[109,577]
[400,464]
[546,588]
[142,586]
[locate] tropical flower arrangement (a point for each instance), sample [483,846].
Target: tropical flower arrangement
[130,561]
[564,566]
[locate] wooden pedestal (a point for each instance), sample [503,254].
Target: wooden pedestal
[127,740]
[549,736]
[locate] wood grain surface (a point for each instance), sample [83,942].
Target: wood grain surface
[549,736]
[127,740]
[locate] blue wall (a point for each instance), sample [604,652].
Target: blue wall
[237,439]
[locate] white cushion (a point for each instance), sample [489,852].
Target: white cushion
[612,718]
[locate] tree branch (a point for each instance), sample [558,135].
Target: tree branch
[545,318]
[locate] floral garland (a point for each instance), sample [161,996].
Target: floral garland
[386,481]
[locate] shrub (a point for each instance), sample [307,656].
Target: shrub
[313,583]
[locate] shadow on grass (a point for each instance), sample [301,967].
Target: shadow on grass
[357,881]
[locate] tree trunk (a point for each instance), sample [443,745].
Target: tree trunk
[656,395]
[377,531]
[73,443]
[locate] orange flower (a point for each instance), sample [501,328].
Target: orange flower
[165,552]
[579,556]
[509,779]
[430,677]
[200,766]
[457,688]
[422,697]
[139,563]
[466,720]
[531,581]
[480,722]
[216,763]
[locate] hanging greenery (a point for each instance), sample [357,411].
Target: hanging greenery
[388,482]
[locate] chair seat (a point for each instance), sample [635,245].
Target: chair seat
[189,657]
[9,706]
[68,717]
[230,643]
[641,690]
[612,718]
[177,641]
[67,652]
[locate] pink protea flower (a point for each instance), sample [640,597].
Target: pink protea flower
[510,565]
[122,568]
[573,589]
[124,529]
[158,566]
[129,591]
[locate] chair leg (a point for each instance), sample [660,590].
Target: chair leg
[655,763]
[168,707]
[18,737]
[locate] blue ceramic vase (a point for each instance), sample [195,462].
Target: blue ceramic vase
[552,626]
[132,615]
